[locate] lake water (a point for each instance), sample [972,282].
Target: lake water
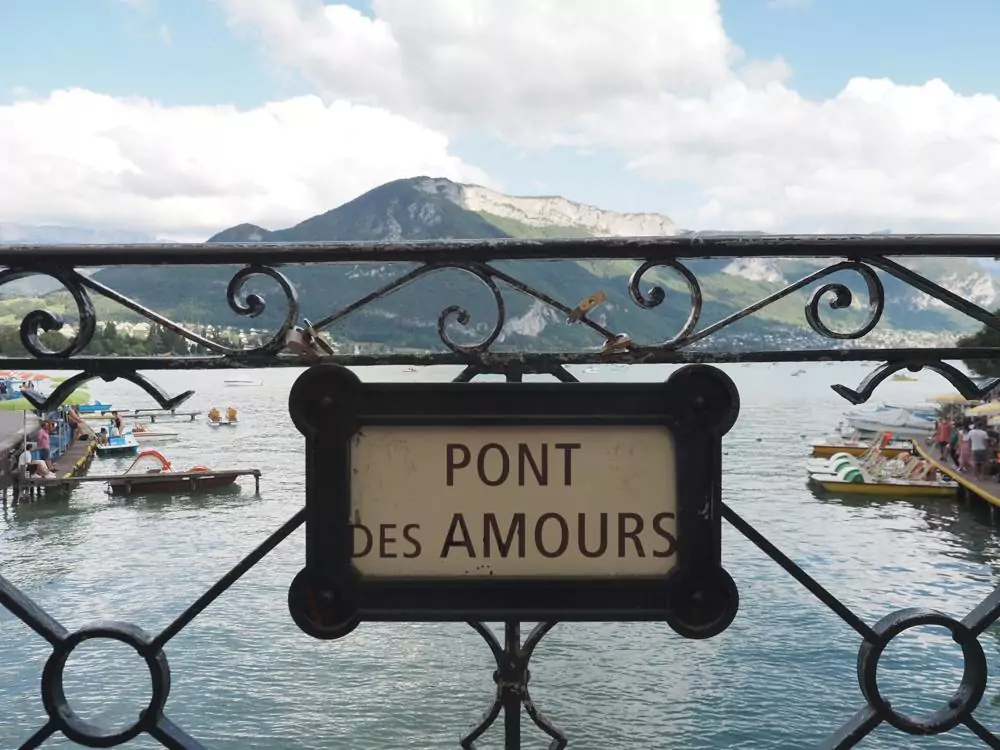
[244,676]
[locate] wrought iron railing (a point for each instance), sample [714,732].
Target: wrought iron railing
[295,341]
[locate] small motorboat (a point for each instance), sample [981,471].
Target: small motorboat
[145,435]
[151,472]
[847,440]
[242,383]
[117,445]
[902,422]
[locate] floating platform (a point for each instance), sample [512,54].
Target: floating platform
[151,414]
[69,467]
[167,481]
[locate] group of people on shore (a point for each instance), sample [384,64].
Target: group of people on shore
[36,457]
[966,443]
[41,466]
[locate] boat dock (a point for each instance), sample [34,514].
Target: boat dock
[70,465]
[151,414]
[133,483]
[983,493]
[14,428]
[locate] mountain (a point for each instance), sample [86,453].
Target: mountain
[428,209]
[51,234]
[425,208]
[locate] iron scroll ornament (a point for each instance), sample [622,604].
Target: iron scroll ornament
[332,408]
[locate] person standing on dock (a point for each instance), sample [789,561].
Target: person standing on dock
[75,423]
[964,449]
[44,444]
[942,437]
[979,443]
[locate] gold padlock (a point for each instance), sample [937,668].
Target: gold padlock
[586,305]
[618,343]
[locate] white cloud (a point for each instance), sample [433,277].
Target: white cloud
[186,172]
[660,81]
[458,62]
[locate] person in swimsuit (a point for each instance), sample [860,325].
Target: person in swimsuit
[942,438]
[44,443]
[964,449]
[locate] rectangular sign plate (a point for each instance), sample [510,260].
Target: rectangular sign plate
[524,501]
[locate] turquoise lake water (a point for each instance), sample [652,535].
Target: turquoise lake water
[246,678]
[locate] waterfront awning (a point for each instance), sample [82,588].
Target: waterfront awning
[24,375]
[951,398]
[993,407]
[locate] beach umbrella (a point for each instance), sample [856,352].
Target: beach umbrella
[25,375]
[951,398]
[992,407]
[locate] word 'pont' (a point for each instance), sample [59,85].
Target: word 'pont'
[519,462]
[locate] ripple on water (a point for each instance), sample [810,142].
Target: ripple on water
[782,677]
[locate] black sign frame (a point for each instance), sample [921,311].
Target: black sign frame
[697,598]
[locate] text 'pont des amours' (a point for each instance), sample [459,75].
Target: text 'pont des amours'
[514,501]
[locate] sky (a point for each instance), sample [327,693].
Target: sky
[182,117]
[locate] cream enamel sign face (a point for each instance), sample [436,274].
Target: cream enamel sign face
[508,501]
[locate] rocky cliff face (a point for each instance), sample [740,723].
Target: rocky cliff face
[977,286]
[756,269]
[551,211]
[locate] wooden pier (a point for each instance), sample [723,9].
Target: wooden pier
[71,466]
[984,493]
[151,414]
[135,484]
